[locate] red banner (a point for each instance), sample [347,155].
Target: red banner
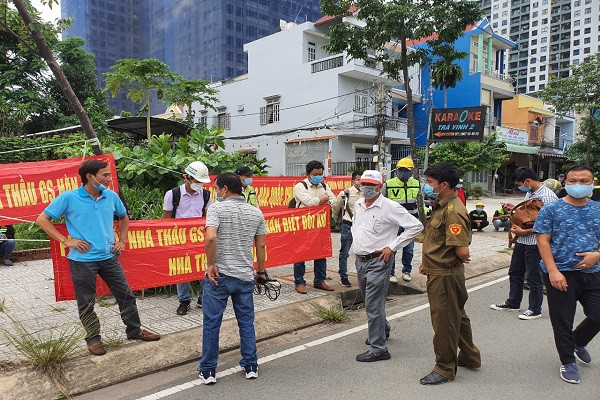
[27,188]
[164,252]
[273,191]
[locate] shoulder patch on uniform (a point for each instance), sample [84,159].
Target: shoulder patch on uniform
[455,229]
[450,206]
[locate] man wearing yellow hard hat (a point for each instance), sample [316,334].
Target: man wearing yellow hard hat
[404,189]
[478,216]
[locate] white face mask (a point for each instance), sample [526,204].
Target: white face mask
[196,187]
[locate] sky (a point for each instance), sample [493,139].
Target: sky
[47,13]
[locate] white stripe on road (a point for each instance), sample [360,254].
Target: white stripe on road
[293,350]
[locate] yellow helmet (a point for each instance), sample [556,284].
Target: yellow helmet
[406,162]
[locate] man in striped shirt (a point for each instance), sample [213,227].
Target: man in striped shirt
[525,262]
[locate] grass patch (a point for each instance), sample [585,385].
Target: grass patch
[58,309]
[112,342]
[332,315]
[105,301]
[505,250]
[46,351]
[3,305]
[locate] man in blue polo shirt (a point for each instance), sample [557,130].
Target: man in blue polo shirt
[89,213]
[568,236]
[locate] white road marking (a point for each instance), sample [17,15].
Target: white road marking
[284,353]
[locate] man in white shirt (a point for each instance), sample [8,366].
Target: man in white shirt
[375,232]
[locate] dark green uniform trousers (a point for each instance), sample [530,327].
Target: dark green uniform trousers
[447,295]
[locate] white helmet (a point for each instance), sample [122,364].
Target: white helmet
[198,171]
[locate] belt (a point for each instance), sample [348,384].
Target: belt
[347,223]
[367,257]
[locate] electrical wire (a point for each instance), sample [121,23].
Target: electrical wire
[268,287]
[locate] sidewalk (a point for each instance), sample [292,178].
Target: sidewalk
[27,290]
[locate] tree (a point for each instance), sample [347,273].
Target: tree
[140,77]
[45,52]
[397,22]
[579,92]
[444,73]
[187,92]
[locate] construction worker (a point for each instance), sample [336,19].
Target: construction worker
[478,217]
[404,189]
[248,191]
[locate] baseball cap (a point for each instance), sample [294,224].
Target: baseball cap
[371,176]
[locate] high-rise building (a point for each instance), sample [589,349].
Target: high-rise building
[199,39]
[551,35]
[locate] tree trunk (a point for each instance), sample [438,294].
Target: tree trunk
[61,79]
[189,116]
[148,130]
[445,96]
[411,125]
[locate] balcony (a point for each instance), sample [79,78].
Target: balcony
[391,123]
[327,64]
[503,84]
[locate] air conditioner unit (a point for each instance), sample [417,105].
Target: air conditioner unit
[240,107]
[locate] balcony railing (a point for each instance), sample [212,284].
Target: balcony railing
[494,75]
[324,65]
[391,123]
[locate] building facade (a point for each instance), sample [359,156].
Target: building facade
[298,103]
[550,35]
[197,39]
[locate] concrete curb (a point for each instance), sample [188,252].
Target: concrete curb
[88,373]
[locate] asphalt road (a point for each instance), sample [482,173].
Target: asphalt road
[519,361]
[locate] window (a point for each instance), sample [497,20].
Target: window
[532,88]
[504,31]
[544,49]
[532,69]
[576,42]
[588,11]
[576,52]
[542,86]
[312,52]
[533,60]
[542,68]
[577,23]
[587,30]
[504,22]
[361,102]
[533,51]
[542,77]
[203,118]
[534,32]
[504,13]
[534,23]
[576,32]
[586,50]
[223,119]
[495,25]
[588,20]
[542,58]
[269,114]
[544,29]
[534,14]
[577,13]
[544,40]
[532,79]
[495,16]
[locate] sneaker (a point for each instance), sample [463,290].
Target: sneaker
[530,315]
[199,303]
[251,371]
[346,282]
[503,306]
[406,277]
[208,377]
[393,279]
[583,355]
[183,308]
[569,373]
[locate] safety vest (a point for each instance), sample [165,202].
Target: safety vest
[403,193]
[501,212]
[250,196]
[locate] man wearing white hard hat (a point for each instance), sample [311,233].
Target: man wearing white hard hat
[189,200]
[375,231]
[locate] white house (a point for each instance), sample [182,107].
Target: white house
[298,103]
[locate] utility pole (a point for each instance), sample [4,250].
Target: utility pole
[381,93]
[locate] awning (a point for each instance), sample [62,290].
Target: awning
[517,148]
[544,154]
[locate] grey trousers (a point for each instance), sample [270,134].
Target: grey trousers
[84,275]
[373,282]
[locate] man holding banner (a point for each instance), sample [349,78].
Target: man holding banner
[232,227]
[93,250]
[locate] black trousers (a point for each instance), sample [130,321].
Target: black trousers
[582,287]
[483,224]
[84,275]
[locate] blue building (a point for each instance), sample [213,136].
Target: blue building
[484,82]
[197,39]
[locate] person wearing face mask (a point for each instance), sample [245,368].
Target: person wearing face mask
[190,200]
[404,189]
[478,217]
[375,231]
[310,192]
[568,238]
[248,191]
[93,250]
[525,260]
[460,191]
[445,251]
[344,206]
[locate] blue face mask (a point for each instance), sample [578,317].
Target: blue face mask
[479,210]
[579,191]
[524,189]
[459,186]
[247,181]
[99,187]
[316,179]
[428,190]
[219,198]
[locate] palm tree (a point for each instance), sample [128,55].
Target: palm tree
[444,72]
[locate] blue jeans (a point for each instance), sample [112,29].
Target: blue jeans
[320,272]
[346,242]
[6,248]
[183,292]
[407,256]
[525,266]
[214,301]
